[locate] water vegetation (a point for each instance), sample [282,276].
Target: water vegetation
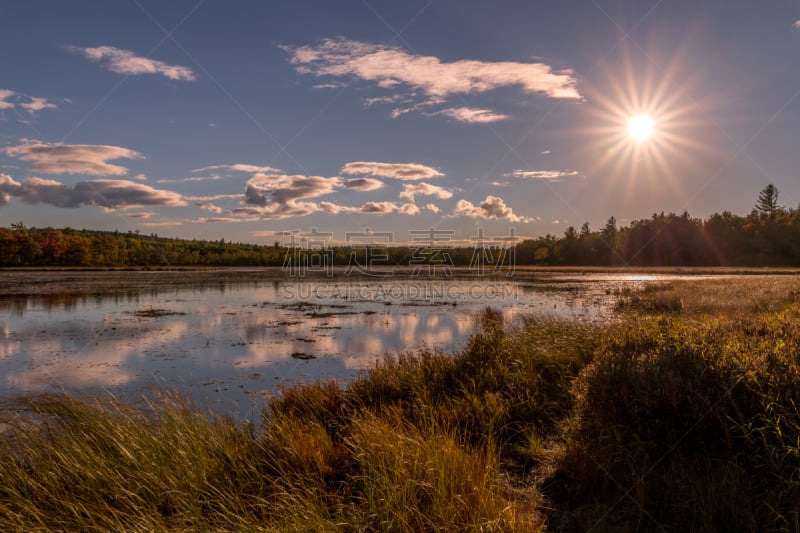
[680,415]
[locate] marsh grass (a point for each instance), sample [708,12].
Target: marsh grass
[675,417]
[102,465]
[688,419]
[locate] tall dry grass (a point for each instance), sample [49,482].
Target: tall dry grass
[674,417]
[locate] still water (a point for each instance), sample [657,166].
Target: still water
[233,344]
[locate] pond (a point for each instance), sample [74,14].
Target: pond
[233,338]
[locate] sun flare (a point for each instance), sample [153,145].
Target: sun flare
[640,127]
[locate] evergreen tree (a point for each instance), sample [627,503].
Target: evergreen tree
[767,204]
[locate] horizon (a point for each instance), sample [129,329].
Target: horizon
[201,120]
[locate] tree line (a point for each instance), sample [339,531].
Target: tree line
[768,236]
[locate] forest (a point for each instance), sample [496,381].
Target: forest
[768,236]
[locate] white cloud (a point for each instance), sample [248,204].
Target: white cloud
[162,224]
[126,62]
[140,177]
[372,208]
[410,190]
[409,105]
[282,196]
[110,194]
[34,103]
[400,171]
[37,104]
[7,184]
[408,209]
[544,174]
[215,177]
[333,85]
[432,208]
[499,184]
[263,189]
[212,198]
[208,206]
[796,24]
[5,94]
[545,152]
[390,66]
[393,99]
[73,158]
[240,167]
[492,207]
[472,115]
[363,184]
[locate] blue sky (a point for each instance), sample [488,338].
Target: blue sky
[240,120]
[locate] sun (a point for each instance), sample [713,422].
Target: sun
[640,127]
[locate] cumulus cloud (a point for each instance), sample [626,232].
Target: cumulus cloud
[796,24]
[73,158]
[408,209]
[371,208]
[390,66]
[410,190]
[140,177]
[544,174]
[263,190]
[33,104]
[208,206]
[382,208]
[127,62]
[37,104]
[492,207]
[109,194]
[432,208]
[363,184]
[240,167]
[281,196]
[472,115]
[399,171]
[6,185]
[5,94]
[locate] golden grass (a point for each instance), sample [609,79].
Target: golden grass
[676,417]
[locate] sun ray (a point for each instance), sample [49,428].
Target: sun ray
[643,127]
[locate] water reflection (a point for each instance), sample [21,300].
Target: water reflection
[235,342]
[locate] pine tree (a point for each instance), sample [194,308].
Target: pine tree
[767,204]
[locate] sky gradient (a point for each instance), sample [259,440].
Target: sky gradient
[242,120]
